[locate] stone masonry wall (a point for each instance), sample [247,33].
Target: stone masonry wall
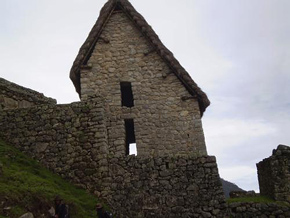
[70,140]
[164,123]
[274,174]
[15,96]
[258,210]
[166,187]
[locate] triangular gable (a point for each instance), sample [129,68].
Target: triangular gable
[124,5]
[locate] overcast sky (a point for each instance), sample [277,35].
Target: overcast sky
[237,51]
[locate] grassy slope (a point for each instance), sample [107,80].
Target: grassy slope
[27,186]
[258,199]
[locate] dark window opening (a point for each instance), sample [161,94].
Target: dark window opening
[130,137]
[167,165]
[127,94]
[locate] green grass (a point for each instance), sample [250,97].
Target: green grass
[257,199]
[26,185]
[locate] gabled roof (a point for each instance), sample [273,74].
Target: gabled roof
[148,32]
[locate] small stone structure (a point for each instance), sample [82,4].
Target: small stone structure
[14,96]
[274,174]
[242,194]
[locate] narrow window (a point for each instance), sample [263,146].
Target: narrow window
[130,137]
[127,94]
[133,149]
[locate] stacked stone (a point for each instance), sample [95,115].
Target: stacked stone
[274,174]
[165,114]
[71,140]
[259,210]
[14,96]
[166,187]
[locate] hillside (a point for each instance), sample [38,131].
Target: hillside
[228,187]
[27,186]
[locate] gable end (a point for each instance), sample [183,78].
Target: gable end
[125,6]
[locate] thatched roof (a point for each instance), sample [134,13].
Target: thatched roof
[148,32]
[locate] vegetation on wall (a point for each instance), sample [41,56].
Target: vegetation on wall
[256,199]
[26,186]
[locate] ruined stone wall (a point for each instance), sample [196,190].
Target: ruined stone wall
[70,140]
[274,174]
[15,96]
[164,124]
[261,210]
[166,187]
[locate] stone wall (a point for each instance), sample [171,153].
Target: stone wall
[274,174]
[14,96]
[258,210]
[72,141]
[166,187]
[164,123]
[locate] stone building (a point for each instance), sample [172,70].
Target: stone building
[149,97]
[132,90]
[274,174]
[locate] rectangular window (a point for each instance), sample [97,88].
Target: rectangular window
[127,94]
[131,147]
